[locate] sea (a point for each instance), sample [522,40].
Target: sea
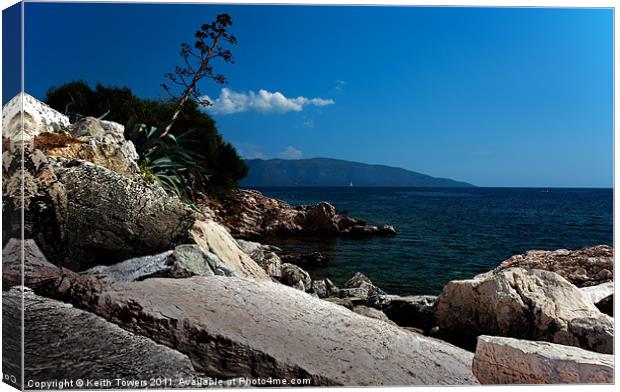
[448,233]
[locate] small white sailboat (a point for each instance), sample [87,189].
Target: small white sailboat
[351,183]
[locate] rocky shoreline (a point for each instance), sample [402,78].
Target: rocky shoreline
[188,295]
[250,215]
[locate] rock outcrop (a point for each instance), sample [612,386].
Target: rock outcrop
[102,143]
[63,342]
[324,288]
[295,277]
[182,262]
[110,217]
[214,238]
[82,215]
[239,329]
[250,215]
[37,271]
[359,286]
[38,118]
[252,328]
[500,360]
[526,304]
[583,267]
[85,203]
[263,255]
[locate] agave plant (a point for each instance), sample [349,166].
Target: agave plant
[168,161]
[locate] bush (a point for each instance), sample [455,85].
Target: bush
[214,157]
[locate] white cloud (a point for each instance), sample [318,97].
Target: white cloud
[308,124]
[291,152]
[339,84]
[264,101]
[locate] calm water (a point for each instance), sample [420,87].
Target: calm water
[446,234]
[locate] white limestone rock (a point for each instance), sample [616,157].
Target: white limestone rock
[599,292]
[500,360]
[525,304]
[37,118]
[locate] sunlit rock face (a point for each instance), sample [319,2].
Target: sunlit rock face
[500,360]
[524,304]
[37,118]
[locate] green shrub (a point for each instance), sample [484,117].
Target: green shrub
[194,131]
[168,161]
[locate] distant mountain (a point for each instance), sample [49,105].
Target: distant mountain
[335,172]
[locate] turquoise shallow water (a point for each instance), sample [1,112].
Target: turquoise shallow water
[447,233]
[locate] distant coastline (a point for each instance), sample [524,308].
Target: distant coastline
[327,172]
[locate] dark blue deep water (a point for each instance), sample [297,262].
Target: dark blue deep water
[446,233]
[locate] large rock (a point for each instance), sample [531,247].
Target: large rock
[324,288]
[234,327]
[295,277]
[110,218]
[250,215]
[33,270]
[213,237]
[182,262]
[33,200]
[359,286]
[500,360]
[526,304]
[251,328]
[102,143]
[38,118]
[410,311]
[602,296]
[63,342]
[16,264]
[583,267]
[263,255]
[82,215]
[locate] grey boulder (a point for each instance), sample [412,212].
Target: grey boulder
[82,215]
[359,286]
[182,262]
[324,288]
[263,255]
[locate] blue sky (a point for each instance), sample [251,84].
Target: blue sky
[492,96]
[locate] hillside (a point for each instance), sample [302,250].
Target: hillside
[335,172]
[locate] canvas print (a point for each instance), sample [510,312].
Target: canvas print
[233,195]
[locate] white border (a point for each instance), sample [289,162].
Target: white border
[478,3]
